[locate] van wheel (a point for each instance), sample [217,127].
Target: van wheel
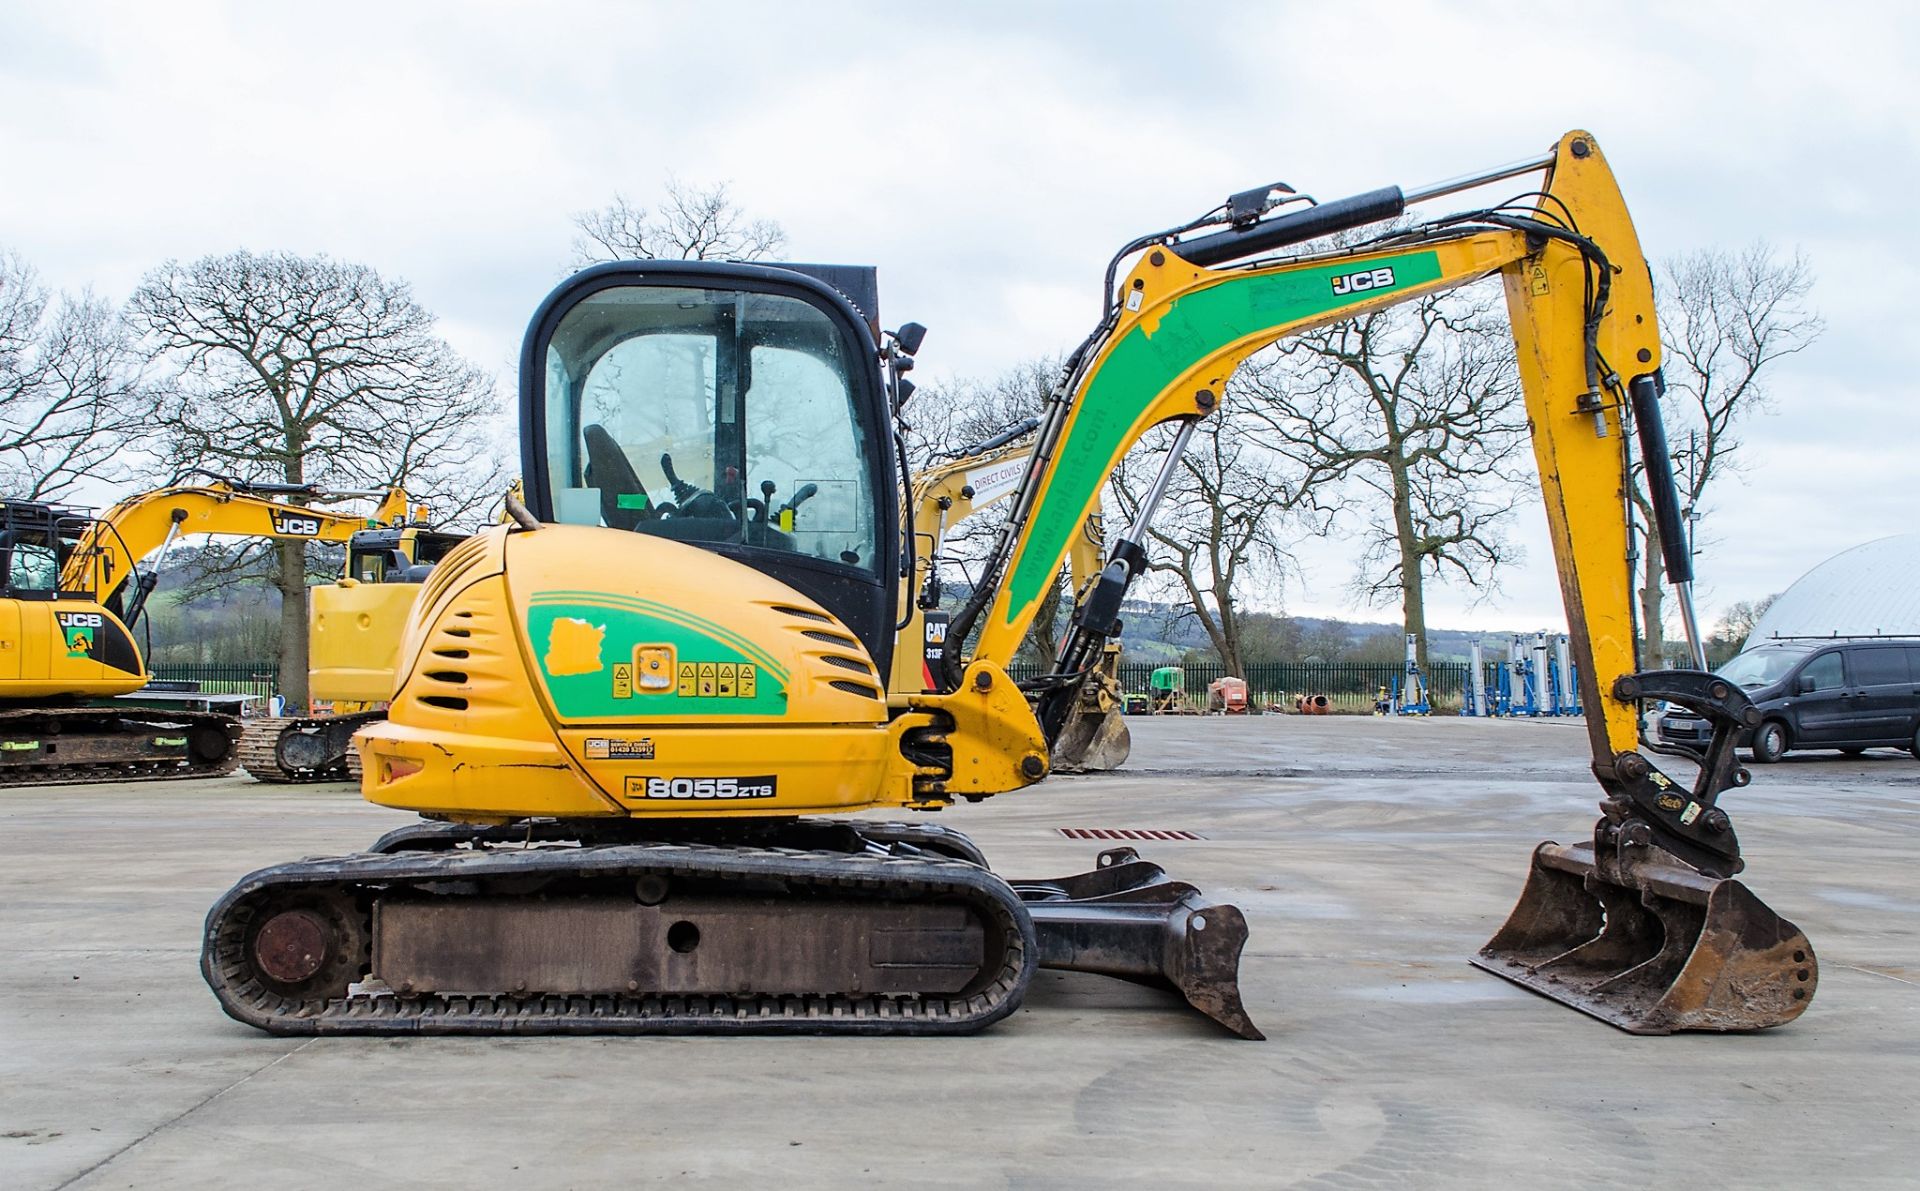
[1770,742]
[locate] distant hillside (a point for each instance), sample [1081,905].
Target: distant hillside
[1157,631]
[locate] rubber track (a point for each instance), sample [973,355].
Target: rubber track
[19,776]
[259,753]
[385,1012]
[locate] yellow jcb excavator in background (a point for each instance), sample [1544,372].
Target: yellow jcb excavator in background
[622,715]
[75,704]
[353,647]
[947,493]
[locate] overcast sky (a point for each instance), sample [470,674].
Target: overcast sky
[989,158]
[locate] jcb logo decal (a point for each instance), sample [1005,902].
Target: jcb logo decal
[78,629]
[295,527]
[1361,282]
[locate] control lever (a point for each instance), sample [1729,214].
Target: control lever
[801,495]
[682,491]
[765,502]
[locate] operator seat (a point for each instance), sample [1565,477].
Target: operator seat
[609,470]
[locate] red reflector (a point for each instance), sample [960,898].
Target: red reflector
[392,769]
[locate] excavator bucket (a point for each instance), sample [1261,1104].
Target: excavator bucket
[1095,737]
[1652,949]
[1093,741]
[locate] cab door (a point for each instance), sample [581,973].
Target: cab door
[10,644]
[1822,704]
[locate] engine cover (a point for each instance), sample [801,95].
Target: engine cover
[584,671]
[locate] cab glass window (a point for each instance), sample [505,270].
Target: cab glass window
[1761,667]
[710,416]
[33,566]
[1823,673]
[1879,667]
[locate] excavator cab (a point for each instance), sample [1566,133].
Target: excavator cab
[741,410]
[71,640]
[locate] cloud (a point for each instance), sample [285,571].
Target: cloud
[989,158]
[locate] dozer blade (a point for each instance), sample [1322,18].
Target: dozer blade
[1128,920]
[1092,742]
[1655,948]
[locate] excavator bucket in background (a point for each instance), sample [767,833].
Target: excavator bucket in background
[1095,738]
[1659,949]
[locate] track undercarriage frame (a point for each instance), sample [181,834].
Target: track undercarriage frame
[804,926]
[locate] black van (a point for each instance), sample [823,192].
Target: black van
[1826,694]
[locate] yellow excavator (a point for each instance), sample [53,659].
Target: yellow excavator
[945,494]
[75,697]
[355,626]
[628,718]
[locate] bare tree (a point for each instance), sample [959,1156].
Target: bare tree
[69,387]
[1219,526]
[1729,637]
[1405,419]
[946,418]
[694,223]
[1725,319]
[942,422]
[305,370]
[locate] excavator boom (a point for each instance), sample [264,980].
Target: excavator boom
[107,556]
[1623,927]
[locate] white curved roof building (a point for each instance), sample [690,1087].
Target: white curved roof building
[1869,590]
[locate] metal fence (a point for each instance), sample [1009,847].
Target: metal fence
[224,678]
[1351,687]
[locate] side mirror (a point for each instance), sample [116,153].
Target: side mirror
[1803,685]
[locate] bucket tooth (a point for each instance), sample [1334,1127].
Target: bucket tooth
[1128,920]
[1653,946]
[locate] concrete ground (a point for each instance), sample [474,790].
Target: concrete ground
[1371,857]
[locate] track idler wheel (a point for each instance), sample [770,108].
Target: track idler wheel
[304,751]
[208,745]
[1652,946]
[306,947]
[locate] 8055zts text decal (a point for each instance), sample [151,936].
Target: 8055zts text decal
[701,788]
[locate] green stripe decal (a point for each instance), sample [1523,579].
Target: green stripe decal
[1142,365]
[591,653]
[669,612]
